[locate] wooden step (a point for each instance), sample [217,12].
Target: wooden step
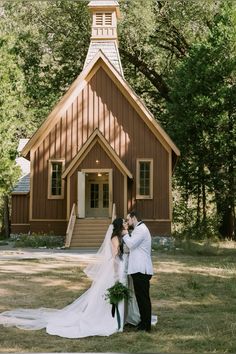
[89,233]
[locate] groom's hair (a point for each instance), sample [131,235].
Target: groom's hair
[134,213]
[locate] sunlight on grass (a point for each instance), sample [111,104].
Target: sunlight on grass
[193,296]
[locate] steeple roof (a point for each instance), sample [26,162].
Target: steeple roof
[104,32]
[103,3]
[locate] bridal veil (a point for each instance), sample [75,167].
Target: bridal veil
[88,315]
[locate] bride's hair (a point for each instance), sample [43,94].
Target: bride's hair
[117,231]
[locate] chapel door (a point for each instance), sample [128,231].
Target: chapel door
[97,195]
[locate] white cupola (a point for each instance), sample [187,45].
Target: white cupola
[104,31]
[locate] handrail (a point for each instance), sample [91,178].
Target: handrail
[113,215]
[70,226]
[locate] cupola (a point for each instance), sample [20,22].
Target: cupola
[104,17]
[104,31]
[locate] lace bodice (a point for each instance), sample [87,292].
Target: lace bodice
[125,248]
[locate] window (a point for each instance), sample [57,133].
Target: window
[94,195]
[56,184]
[144,186]
[103,19]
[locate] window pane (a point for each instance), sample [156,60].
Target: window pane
[144,177]
[56,180]
[94,195]
[105,201]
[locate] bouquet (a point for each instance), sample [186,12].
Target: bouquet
[115,294]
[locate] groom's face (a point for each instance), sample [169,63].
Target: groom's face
[130,221]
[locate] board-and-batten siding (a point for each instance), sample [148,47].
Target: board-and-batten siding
[101,105]
[20,205]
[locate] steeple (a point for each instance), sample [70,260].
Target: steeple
[104,31]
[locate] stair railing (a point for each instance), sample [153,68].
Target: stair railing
[70,226]
[113,215]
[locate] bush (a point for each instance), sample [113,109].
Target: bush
[163,243]
[39,240]
[204,230]
[191,247]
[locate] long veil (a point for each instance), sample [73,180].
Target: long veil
[74,320]
[102,257]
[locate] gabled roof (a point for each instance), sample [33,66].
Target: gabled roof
[95,137]
[21,145]
[23,185]
[98,61]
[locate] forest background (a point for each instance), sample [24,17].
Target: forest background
[180,58]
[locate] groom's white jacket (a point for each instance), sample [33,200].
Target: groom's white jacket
[139,244]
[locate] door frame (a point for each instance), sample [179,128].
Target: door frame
[110,180]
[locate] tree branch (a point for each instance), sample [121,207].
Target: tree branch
[155,78]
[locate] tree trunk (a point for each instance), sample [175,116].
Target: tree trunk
[198,205]
[227,227]
[6,217]
[204,201]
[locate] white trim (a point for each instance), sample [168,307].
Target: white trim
[138,195]
[98,61]
[110,179]
[50,195]
[96,136]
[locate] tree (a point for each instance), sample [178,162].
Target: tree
[202,119]
[13,118]
[51,42]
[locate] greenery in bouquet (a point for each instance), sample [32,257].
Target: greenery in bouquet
[115,294]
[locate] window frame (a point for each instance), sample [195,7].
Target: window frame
[138,195]
[50,195]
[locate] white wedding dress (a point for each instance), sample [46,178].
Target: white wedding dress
[90,314]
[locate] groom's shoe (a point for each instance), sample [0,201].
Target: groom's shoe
[144,329]
[141,327]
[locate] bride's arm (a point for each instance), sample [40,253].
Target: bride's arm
[115,253]
[115,246]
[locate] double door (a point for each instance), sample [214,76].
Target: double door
[96,194]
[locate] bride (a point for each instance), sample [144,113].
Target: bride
[90,314]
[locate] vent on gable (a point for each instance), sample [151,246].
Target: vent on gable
[99,19]
[103,19]
[108,19]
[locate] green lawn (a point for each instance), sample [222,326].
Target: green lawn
[193,295]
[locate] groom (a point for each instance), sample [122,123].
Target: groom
[140,266]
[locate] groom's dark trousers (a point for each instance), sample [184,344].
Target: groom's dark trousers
[141,288]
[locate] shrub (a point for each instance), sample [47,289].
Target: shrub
[39,240]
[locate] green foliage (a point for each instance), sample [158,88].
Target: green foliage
[202,113]
[36,241]
[186,246]
[178,55]
[52,39]
[13,115]
[117,293]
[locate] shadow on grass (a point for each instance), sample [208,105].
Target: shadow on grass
[193,296]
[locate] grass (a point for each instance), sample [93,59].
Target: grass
[194,296]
